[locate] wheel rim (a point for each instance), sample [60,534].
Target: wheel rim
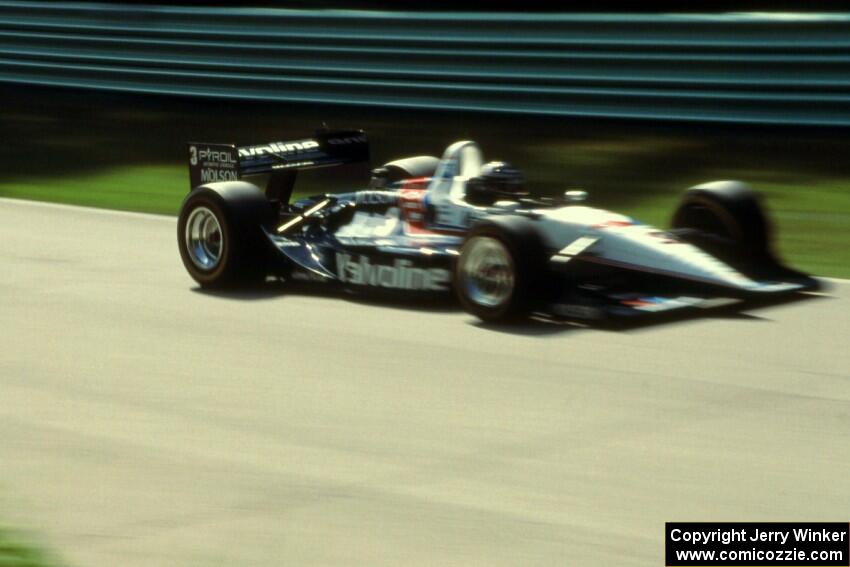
[487,272]
[204,238]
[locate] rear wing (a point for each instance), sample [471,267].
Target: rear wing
[228,162]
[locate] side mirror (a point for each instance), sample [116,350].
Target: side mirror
[575,195]
[379,178]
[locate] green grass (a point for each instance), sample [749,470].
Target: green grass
[149,189]
[811,217]
[128,152]
[17,551]
[142,188]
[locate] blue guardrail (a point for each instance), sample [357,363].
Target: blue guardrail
[742,68]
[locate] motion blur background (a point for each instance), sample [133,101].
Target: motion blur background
[98,100]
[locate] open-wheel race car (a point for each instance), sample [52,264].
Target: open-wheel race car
[428,225]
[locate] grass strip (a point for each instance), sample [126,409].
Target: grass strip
[811,218]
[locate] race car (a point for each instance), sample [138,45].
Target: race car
[457,224]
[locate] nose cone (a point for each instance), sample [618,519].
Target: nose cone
[649,249]
[623,243]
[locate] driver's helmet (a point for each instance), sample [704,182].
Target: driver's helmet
[496,181]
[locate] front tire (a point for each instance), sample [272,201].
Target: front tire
[219,235]
[728,219]
[498,273]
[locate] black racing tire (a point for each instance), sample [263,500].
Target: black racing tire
[512,251]
[730,214]
[220,237]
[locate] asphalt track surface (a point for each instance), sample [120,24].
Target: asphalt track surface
[144,422]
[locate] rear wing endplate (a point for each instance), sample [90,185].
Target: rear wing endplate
[228,162]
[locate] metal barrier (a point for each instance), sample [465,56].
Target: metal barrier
[744,68]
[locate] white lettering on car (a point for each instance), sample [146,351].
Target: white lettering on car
[402,274]
[279,148]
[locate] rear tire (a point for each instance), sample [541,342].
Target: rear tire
[219,234]
[499,271]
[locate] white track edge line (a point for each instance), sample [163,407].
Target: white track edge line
[47,204]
